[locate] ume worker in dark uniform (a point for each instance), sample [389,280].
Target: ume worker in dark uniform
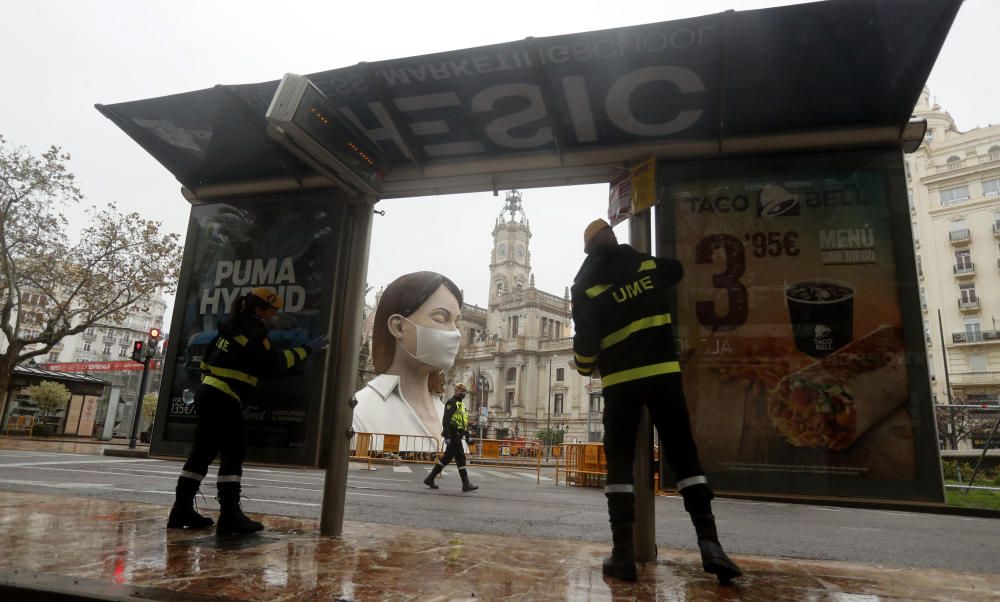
[455,428]
[623,332]
[232,365]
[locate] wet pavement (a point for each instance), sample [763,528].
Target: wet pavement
[106,549]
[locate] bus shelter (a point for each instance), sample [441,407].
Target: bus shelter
[768,142]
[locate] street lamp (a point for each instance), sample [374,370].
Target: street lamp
[548,405]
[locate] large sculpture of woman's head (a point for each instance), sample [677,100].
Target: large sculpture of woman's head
[416,324]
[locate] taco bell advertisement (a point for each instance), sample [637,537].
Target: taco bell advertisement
[231,249]
[796,371]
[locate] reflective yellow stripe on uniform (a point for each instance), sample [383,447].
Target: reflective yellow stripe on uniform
[649,264]
[585,359]
[299,351]
[289,357]
[243,377]
[597,289]
[642,372]
[220,385]
[242,340]
[623,333]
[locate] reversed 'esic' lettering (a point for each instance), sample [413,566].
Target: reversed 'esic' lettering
[633,290]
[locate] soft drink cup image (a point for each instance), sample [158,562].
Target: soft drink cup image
[822,315]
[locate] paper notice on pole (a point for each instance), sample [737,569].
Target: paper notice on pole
[643,185]
[620,199]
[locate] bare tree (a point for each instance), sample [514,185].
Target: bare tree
[963,421]
[50,287]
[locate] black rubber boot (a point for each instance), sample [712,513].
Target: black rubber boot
[232,521]
[621,563]
[429,481]
[621,512]
[183,515]
[466,483]
[697,501]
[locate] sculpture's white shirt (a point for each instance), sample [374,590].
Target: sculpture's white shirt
[382,409]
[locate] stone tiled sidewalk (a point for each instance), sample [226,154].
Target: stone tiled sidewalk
[122,550]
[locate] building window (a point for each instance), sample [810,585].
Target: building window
[560,374]
[967,293]
[53,357]
[557,403]
[977,362]
[994,152]
[955,195]
[954,162]
[991,188]
[513,326]
[123,352]
[545,328]
[973,330]
[86,346]
[511,376]
[508,401]
[107,350]
[963,260]
[595,402]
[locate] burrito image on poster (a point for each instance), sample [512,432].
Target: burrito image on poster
[834,401]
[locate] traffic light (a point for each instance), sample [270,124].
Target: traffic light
[154,333]
[137,352]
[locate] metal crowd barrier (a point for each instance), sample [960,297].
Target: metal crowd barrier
[582,464]
[419,449]
[520,453]
[20,423]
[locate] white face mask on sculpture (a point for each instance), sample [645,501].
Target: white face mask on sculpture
[435,347]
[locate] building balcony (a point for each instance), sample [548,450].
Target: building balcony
[960,237]
[996,230]
[964,270]
[968,305]
[981,336]
[975,378]
[88,336]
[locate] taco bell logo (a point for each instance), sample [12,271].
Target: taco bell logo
[822,338]
[775,200]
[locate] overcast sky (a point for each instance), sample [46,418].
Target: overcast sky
[61,57]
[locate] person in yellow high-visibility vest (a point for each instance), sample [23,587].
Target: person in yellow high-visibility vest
[623,332]
[455,428]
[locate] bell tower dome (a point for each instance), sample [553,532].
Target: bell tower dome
[510,265]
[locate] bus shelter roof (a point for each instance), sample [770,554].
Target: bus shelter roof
[575,108]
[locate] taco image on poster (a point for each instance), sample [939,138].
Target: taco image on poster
[834,401]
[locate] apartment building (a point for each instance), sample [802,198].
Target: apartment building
[953,183]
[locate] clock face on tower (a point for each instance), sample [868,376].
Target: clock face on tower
[520,251]
[502,250]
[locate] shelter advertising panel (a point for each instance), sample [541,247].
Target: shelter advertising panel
[799,328]
[291,244]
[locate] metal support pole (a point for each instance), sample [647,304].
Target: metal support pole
[346,373]
[645,524]
[947,385]
[138,405]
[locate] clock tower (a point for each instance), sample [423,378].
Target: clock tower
[510,268]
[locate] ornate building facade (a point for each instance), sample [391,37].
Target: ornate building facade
[517,352]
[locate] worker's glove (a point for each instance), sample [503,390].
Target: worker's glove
[447,442]
[319,343]
[468,439]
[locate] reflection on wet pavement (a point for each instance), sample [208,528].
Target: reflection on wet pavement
[105,542]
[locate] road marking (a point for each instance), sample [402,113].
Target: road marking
[401,469]
[496,473]
[27,464]
[57,485]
